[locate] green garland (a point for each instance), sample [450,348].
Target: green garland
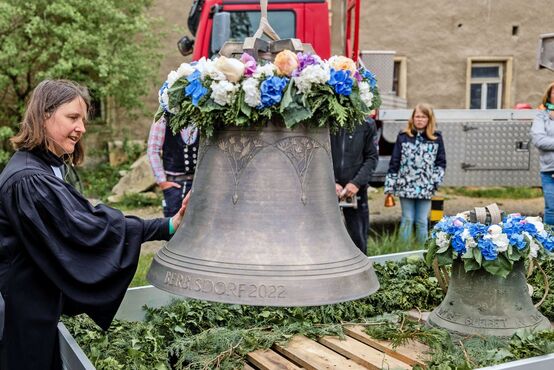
[192,334]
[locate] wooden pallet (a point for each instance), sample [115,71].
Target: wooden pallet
[357,351]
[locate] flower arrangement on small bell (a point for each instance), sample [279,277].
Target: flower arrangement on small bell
[493,248]
[487,291]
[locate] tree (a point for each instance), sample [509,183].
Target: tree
[107,45]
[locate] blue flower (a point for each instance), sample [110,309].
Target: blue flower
[529,227]
[547,243]
[271,90]
[458,244]
[518,240]
[477,229]
[341,82]
[370,77]
[195,89]
[488,249]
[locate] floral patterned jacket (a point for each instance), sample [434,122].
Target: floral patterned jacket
[416,167]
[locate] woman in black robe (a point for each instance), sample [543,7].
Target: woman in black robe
[58,253]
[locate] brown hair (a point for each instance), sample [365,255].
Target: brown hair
[48,96]
[431,125]
[546,96]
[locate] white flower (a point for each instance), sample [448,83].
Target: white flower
[365,93]
[184,70]
[442,239]
[497,237]
[233,69]
[207,68]
[314,74]
[469,241]
[171,78]
[533,246]
[163,98]
[223,92]
[267,70]
[251,92]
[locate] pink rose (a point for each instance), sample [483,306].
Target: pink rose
[249,64]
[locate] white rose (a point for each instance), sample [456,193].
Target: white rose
[233,69]
[251,92]
[223,92]
[533,246]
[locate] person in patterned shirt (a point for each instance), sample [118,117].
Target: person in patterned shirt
[173,160]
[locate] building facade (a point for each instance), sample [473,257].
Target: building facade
[478,54]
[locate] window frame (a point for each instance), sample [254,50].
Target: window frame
[505,65]
[402,76]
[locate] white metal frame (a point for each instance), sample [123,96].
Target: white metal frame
[485,81]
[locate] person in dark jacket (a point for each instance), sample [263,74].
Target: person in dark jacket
[354,160]
[58,253]
[416,170]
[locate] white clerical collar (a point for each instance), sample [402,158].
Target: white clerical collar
[58,172]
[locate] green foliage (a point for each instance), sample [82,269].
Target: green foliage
[99,181]
[193,334]
[138,200]
[108,45]
[465,353]
[5,150]
[386,242]
[502,192]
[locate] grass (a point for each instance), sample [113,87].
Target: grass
[502,192]
[145,261]
[388,242]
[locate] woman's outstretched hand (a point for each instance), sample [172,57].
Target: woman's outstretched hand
[181,213]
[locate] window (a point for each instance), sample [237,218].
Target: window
[488,83]
[486,86]
[245,24]
[399,77]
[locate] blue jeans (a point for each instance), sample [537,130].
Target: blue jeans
[548,193]
[414,211]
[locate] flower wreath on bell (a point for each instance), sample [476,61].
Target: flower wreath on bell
[494,248]
[295,89]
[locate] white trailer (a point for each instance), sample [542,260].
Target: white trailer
[483,147]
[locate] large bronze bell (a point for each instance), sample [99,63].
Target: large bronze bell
[479,303]
[263,225]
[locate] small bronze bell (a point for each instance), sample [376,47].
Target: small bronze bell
[389,200]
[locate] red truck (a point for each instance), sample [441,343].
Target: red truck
[213,22]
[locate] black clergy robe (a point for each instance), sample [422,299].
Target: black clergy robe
[59,254]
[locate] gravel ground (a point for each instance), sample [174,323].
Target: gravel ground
[453,204]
